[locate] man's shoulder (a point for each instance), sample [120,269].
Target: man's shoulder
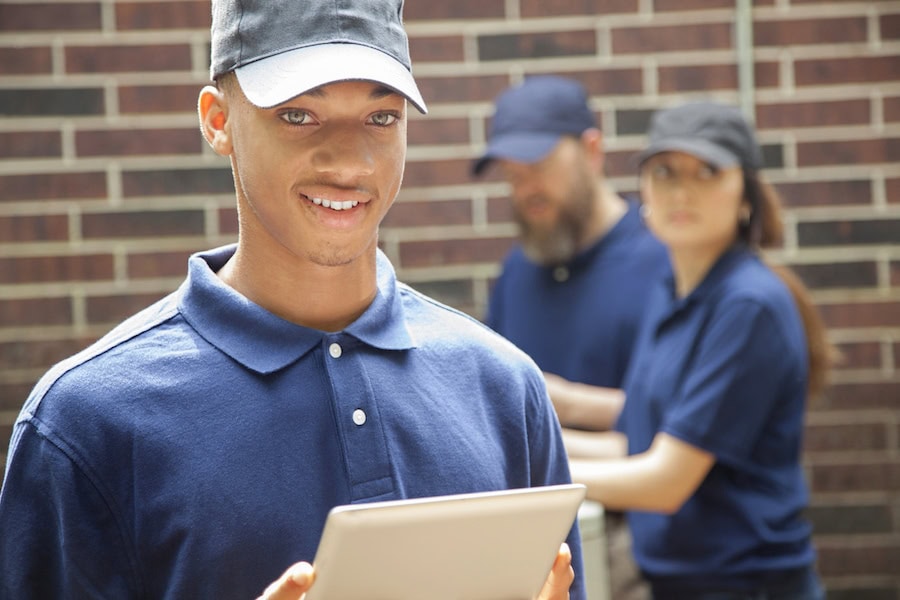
[438,325]
[99,366]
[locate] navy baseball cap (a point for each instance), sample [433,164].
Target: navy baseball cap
[280,49]
[529,119]
[717,134]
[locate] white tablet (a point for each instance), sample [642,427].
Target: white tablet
[490,545]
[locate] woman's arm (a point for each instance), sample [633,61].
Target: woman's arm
[658,480]
[584,406]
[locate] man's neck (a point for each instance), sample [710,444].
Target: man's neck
[609,210]
[327,298]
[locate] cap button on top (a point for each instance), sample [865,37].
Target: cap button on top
[335,350]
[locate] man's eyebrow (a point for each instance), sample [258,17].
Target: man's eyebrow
[378,92]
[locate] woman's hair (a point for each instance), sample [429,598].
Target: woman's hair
[764,230]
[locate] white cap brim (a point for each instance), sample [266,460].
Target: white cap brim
[276,79]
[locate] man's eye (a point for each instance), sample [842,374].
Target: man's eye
[660,171]
[383,119]
[707,172]
[296,117]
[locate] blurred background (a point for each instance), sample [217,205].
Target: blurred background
[106,185]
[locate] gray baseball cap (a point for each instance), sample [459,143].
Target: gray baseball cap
[715,133]
[280,49]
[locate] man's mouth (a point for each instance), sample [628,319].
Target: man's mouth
[336,205]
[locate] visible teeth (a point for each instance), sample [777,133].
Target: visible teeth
[335,204]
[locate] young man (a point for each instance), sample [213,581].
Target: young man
[571,293]
[195,451]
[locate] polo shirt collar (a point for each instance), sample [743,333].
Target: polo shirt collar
[263,341]
[716,275]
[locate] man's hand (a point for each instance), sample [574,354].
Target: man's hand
[561,577]
[294,583]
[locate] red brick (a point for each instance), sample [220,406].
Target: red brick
[438,131]
[685,5]
[52,186]
[146,224]
[851,437]
[25,61]
[163,15]
[536,9]
[177,182]
[110,310]
[833,71]
[890,26]
[879,474]
[470,88]
[45,269]
[436,253]
[892,185]
[892,108]
[138,142]
[157,264]
[124,59]
[436,49]
[34,228]
[860,355]
[12,397]
[607,81]
[49,16]
[30,144]
[822,113]
[859,396]
[697,78]
[24,312]
[669,38]
[38,354]
[839,274]
[158,98]
[840,518]
[228,221]
[784,33]
[429,213]
[499,210]
[862,314]
[822,193]
[860,558]
[895,272]
[458,9]
[52,102]
[848,152]
[434,173]
[513,46]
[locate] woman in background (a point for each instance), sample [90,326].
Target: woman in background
[730,351]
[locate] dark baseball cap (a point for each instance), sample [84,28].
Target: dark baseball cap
[715,133]
[280,49]
[530,118]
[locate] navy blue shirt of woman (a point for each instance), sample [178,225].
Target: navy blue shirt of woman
[724,369]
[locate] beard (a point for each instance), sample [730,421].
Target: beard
[558,242]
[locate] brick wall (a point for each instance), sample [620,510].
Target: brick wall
[106,186]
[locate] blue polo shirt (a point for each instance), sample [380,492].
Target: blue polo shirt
[195,450]
[580,320]
[724,369]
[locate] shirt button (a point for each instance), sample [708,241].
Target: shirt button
[359,416]
[335,350]
[561,274]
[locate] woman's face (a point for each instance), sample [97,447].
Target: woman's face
[693,206]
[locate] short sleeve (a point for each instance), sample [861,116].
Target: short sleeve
[733,383]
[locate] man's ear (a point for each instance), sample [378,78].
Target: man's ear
[592,142]
[212,108]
